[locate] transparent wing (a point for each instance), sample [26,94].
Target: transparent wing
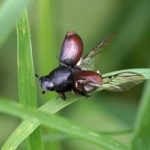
[86,61]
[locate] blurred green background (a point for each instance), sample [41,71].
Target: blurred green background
[92,20]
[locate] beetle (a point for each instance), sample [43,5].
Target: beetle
[72,74]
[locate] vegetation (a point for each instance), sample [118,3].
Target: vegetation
[107,120]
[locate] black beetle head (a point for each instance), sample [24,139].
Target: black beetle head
[46,84]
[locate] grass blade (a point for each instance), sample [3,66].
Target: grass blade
[46,46]
[143,71]
[9,13]
[54,106]
[23,130]
[46,36]
[123,80]
[60,124]
[142,134]
[26,79]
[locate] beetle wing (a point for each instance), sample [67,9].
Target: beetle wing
[72,49]
[86,81]
[86,61]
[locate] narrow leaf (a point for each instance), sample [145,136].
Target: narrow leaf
[9,13]
[124,79]
[26,79]
[141,139]
[23,130]
[56,105]
[61,124]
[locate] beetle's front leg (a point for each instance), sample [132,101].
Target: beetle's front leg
[63,96]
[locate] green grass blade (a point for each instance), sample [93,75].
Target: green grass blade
[22,131]
[143,71]
[9,13]
[46,36]
[60,136]
[26,78]
[26,83]
[123,80]
[60,124]
[141,139]
[54,106]
[46,46]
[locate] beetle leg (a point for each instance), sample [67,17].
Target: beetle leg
[85,86]
[62,95]
[83,82]
[79,88]
[78,92]
[93,84]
